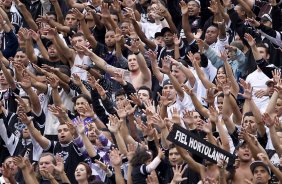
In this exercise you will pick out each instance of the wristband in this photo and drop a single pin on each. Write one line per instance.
(136, 53)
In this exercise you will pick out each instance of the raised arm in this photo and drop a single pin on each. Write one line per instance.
(146, 74)
(26, 14)
(81, 17)
(185, 22)
(270, 122)
(42, 141)
(33, 97)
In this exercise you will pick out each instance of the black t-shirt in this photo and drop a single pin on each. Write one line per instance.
(41, 61)
(71, 155)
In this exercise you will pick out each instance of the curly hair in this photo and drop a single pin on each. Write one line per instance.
(140, 157)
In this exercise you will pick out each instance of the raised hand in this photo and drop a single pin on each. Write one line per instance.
(253, 22)
(210, 96)
(135, 99)
(26, 81)
(247, 89)
(276, 75)
(184, 7)
(57, 111)
(165, 65)
(175, 117)
(263, 157)
(34, 35)
(118, 36)
(116, 6)
(53, 81)
(223, 56)
(79, 16)
(118, 76)
(188, 117)
(158, 121)
(134, 47)
(251, 41)
(178, 171)
(268, 121)
(202, 45)
(114, 124)
(76, 80)
(176, 40)
(164, 99)
(213, 114)
(25, 119)
(59, 167)
(79, 125)
(152, 56)
(131, 151)
(115, 158)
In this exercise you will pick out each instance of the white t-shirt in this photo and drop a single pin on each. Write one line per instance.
(257, 79)
(85, 60)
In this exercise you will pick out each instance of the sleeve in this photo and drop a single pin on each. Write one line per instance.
(12, 141)
(220, 44)
(12, 44)
(210, 71)
(104, 141)
(241, 59)
(109, 105)
(153, 165)
(37, 150)
(122, 62)
(97, 107)
(271, 34)
(212, 56)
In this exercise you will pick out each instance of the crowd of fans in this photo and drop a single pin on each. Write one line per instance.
(90, 90)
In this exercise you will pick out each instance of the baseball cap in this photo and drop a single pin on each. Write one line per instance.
(164, 30)
(197, 1)
(157, 34)
(255, 164)
(166, 82)
(265, 18)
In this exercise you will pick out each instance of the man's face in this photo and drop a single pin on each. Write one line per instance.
(21, 58)
(174, 157)
(168, 38)
(169, 89)
(261, 176)
(110, 39)
(125, 28)
(80, 105)
(249, 122)
(52, 51)
(244, 153)
(211, 35)
(262, 51)
(132, 63)
(70, 20)
(46, 163)
(159, 41)
(143, 95)
(78, 41)
(120, 100)
(11, 165)
(193, 8)
(178, 74)
(64, 134)
(3, 80)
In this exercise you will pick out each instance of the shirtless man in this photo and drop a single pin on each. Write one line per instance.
(245, 159)
(138, 74)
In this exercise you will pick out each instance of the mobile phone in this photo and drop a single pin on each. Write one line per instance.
(108, 1)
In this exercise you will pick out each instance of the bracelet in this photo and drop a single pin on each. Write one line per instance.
(136, 53)
(162, 19)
